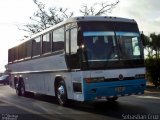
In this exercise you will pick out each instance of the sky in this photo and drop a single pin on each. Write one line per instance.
(16, 13)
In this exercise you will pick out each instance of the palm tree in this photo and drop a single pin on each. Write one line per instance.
(155, 63)
(155, 44)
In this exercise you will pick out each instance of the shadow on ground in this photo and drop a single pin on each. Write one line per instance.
(101, 107)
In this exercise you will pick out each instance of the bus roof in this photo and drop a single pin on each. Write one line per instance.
(78, 19)
(99, 18)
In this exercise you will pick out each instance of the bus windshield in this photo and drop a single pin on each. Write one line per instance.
(100, 46)
(129, 45)
(105, 46)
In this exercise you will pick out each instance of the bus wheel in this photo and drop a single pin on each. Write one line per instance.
(20, 89)
(61, 93)
(112, 99)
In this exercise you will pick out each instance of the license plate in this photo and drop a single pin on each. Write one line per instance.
(120, 89)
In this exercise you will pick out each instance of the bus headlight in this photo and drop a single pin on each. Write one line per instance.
(94, 80)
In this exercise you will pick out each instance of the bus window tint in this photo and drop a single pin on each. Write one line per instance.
(100, 46)
(136, 47)
(28, 49)
(74, 56)
(46, 43)
(11, 57)
(36, 46)
(16, 53)
(129, 45)
(21, 51)
(74, 41)
(67, 42)
(58, 39)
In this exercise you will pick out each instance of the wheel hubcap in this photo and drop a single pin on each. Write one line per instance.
(61, 93)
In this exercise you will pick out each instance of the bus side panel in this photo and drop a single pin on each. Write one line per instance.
(44, 82)
(39, 73)
(39, 83)
(50, 63)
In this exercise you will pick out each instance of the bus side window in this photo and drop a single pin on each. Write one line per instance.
(74, 47)
(28, 49)
(58, 39)
(36, 46)
(67, 48)
(46, 44)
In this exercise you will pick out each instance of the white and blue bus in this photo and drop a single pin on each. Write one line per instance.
(81, 59)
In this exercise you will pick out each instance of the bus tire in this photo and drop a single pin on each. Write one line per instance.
(112, 99)
(20, 89)
(61, 93)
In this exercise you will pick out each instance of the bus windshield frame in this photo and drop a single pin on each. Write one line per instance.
(117, 48)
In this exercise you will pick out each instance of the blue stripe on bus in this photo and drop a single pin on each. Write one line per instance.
(108, 33)
(127, 33)
(107, 89)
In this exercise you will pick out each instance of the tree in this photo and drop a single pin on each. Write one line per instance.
(155, 44)
(43, 19)
(147, 45)
(98, 9)
(152, 45)
(153, 61)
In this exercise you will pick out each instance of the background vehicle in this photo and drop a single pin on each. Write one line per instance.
(4, 79)
(82, 59)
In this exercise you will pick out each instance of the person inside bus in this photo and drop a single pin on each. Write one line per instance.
(99, 48)
(104, 48)
(111, 51)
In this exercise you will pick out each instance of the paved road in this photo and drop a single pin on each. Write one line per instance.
(42, 107)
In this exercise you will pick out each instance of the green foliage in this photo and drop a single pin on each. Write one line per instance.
(152, 45)
(155, 44)
(153, 58)
(153, 70)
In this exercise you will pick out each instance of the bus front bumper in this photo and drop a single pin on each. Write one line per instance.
(94, 91)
